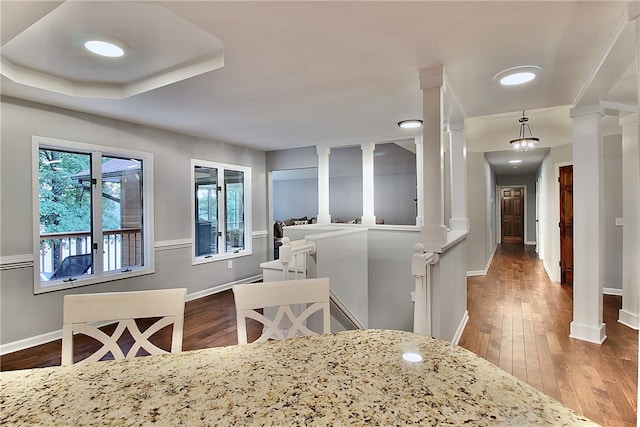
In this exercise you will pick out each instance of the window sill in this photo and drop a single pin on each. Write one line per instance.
(220, 257)
(59, 285)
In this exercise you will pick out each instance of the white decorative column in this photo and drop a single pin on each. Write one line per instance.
(433, 232)
(458, 168)
(419, 181)
(588, 225)
(323, 185)
(629, 314)
(368, 201)
(633, 13)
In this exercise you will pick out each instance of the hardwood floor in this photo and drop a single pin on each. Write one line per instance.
(518, 320)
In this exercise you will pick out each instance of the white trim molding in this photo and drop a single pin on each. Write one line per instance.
(168, 245)
(26, 260)
(629, 319)
(456, 338)
(486, 268)
(16, 261)
(612, 291)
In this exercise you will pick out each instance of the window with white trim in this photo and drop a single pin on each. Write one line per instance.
(94, 214)
(221, 210)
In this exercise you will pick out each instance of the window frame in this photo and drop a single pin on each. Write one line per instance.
(221, 202)
(96, 152)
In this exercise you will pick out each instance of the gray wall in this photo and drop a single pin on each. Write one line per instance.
(480, 195)
(395, 185)
(296, 158)
(449, 293)
(490, 211)
(390, 279)
(25, 315)
(389, 271)
(612, 169)
(295, 198)
(345, 184)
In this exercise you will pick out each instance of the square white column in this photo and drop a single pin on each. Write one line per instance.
(629, 313)
(368, 177)
(458, 169)
(433, 232)
(588, 225)
(323, 185)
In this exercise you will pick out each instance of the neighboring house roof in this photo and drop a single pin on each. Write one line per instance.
(110, 169)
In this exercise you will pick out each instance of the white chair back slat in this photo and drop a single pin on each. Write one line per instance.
(81, 312)
(283, 294)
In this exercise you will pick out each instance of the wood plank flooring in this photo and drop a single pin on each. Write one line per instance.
(518, 320)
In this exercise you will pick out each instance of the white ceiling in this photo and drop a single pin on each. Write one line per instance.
(337, 73)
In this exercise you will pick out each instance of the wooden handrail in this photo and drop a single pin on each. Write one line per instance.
(66, 235)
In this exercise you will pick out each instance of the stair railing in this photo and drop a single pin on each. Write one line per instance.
(421, 263)
(297, 252)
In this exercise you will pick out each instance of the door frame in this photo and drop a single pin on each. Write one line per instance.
(499, 212)
(538, 219)
(556, 220)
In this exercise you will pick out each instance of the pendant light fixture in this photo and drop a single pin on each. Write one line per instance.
(523, 142)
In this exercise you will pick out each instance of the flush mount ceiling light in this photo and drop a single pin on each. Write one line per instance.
(103, 48)
(515, 161)
(410, 124)
(517, 75)
(523, 142)
(50, 54)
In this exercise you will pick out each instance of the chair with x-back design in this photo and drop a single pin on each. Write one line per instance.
(284, 295)
(84, 313)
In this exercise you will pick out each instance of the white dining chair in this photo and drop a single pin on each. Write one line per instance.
(251, 297)
(84, 313)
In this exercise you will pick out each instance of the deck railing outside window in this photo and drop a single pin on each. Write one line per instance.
(121, 248)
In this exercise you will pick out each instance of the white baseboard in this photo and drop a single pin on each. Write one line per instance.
(612, 291)
(10, 347)
(486, 267)
(476, 273)
(631, 320)
(14, 346)
(531, 243)
(549, 274)
(588, 333)
(220, 288)
(456, 338)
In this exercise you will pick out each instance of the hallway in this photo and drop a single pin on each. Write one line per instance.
(519, 320)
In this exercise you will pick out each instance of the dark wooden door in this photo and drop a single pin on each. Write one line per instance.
(512, 215)
(566, 225)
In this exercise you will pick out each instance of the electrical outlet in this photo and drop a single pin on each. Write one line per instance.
(229, 264)
(619, 221)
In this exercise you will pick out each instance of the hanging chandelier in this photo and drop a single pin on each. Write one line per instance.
(523, 142)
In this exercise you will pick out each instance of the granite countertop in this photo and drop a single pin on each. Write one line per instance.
(346, 378)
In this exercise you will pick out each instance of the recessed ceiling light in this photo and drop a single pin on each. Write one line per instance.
(515, 161)
(517, 75)
(103, 48)
(410, 124)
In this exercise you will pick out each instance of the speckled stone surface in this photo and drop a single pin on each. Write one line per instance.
(348, 378)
